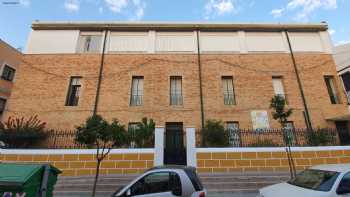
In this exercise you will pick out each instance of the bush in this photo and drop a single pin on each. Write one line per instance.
(214, 134)
(264, 143)
(321, 137)
(143, 135)
(22, 133)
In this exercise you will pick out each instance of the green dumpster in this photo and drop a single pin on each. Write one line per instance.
(27, 180)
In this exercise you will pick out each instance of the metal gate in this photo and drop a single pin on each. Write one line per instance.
(174, 152)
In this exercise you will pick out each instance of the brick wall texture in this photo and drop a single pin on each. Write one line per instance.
(213, 162)
(85, 164)
(42, 84)
(207, 162)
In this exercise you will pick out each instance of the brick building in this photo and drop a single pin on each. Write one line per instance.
(179, 74)
(10, 59)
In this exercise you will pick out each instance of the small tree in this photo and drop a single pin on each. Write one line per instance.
(21, 132)
(281, 114)
(214, 134)
(97, 132)
(144, 134)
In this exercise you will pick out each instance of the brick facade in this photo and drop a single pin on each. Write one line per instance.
(260, 161)
(42, 84)
(74, 163)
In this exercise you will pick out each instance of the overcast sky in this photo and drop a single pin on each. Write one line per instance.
(16, 16)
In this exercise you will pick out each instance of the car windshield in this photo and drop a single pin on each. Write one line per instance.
(319, 180)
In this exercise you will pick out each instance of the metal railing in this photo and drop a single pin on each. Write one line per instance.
(136, 100)
(237, 138)
(175, 99)
(229, 99)
(277, 137)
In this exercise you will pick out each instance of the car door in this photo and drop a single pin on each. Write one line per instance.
(157, 184)
(343, 188)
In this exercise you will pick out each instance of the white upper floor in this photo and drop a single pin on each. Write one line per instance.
(68, 38)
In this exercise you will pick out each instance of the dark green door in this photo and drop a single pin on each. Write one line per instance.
(175, 152)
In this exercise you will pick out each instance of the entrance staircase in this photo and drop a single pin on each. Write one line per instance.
(216, 184)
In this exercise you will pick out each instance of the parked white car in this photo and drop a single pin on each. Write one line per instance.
(319, 181)
(164, 181)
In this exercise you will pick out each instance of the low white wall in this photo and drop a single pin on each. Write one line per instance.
(70, 151)
(271, 149)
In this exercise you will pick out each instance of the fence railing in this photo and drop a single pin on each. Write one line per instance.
(279, 137)
(237, 138)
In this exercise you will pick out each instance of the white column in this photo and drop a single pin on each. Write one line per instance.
(159, 146)
(191, 147)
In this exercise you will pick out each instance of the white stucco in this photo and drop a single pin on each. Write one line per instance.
(159, 146)
(265, 42)
(175, 42)
(306, 42)
(342, 57)
(52, 41)
(66, 41)
(221, 41)
(191, 147)
(129, 42)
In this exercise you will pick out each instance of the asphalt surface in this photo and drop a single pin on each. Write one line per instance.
(235, 194)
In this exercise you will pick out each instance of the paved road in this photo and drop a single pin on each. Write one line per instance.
(236, 194)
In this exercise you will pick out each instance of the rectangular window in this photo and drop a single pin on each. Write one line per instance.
(136, 91)
(2, 105)
(90, 43)
(277, 83)
(233, 131)
(228, 90)
(331, 89)
(8, 73)
(175, 90)
(73, 91)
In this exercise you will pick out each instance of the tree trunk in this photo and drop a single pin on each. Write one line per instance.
(96, 177)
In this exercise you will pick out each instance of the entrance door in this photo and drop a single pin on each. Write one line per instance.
(343, 132)
(175, 152)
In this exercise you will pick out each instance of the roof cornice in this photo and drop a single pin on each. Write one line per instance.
(67, 25)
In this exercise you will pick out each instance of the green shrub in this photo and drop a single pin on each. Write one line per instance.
(214, 134)
(22, 133)
(264, 143)
(321, 137)
(143, 135)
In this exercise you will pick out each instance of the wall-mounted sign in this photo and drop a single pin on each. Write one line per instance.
(260, 119)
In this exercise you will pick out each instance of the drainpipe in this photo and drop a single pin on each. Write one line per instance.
(200, 85)
(306, 112)
(100, 73)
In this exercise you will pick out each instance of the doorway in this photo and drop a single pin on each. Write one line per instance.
(175, 151)
(343, 132)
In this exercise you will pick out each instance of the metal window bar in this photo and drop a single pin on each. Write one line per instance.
(136, 98)
(176, 90)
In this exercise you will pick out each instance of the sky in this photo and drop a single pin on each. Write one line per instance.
(16, 16)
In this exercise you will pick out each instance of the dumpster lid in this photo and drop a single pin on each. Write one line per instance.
(18, 174)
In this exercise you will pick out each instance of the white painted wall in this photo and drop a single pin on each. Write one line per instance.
(265, 42)
(191, 154)
(216, 42)
(342, 57)
(159, 146)
(129, 42)
(65, 41)
(175, 42)
(52, 41)
(306, 42)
